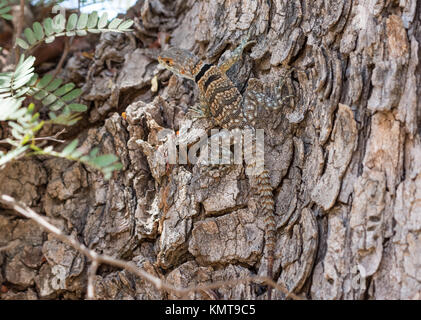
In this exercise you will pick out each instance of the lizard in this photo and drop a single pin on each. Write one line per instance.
(221, 101)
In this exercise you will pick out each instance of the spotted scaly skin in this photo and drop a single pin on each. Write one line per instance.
(222, 101)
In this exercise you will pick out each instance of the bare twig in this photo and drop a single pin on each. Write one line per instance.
(91, 279)
(98, 259)
(9, 246)
(63, 57)
(54, 137)
(49, 138)
(19, 29)
(67, 44)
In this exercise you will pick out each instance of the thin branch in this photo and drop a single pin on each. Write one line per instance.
(19, 28)
(91, 279)
(9, 246)
(53, 138)
(49, 138)
(98, 259)
(67, 45)
(63, 56)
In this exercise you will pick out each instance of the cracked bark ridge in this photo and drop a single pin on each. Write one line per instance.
(231, 238)
(190, 273)
(340, 150)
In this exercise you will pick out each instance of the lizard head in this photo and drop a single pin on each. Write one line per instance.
(179, 61)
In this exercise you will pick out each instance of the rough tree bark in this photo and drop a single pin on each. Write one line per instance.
(345, 159)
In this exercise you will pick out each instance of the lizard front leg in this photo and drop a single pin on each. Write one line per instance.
(235, 56)
(200, 110)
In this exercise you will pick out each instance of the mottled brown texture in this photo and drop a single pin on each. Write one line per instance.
(344, 159)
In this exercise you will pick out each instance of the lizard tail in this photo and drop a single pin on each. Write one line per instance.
(255, 168)
(266, 197)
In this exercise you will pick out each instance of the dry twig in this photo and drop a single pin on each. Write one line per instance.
(98, 259)
(49, 138)
(63, 56)
(9, 246)
(19, 28)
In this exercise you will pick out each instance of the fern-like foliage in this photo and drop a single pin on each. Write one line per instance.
(75, 25)
(4, 10)
(55, 96)
(24, 124)
(13, 83)
(59, 98)
(51, 92)
(106, 163)
(9, 109)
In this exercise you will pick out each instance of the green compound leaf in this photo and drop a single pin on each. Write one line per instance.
(69, 148)
(59, 26)
(92, 20)
(103, 21)
(77, 107)
(59, 22)
(83, 21)
(104, 160)
(30, 36)
(48, 26)
(71, 22)
(114, 24)
(38, 31)
(124, 26)
(22, 43)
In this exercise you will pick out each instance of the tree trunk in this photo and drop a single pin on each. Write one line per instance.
(344, 156)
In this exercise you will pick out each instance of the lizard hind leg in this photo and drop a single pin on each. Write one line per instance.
(253, 100)
(278, 90)
(201, 109)
(259, 95)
